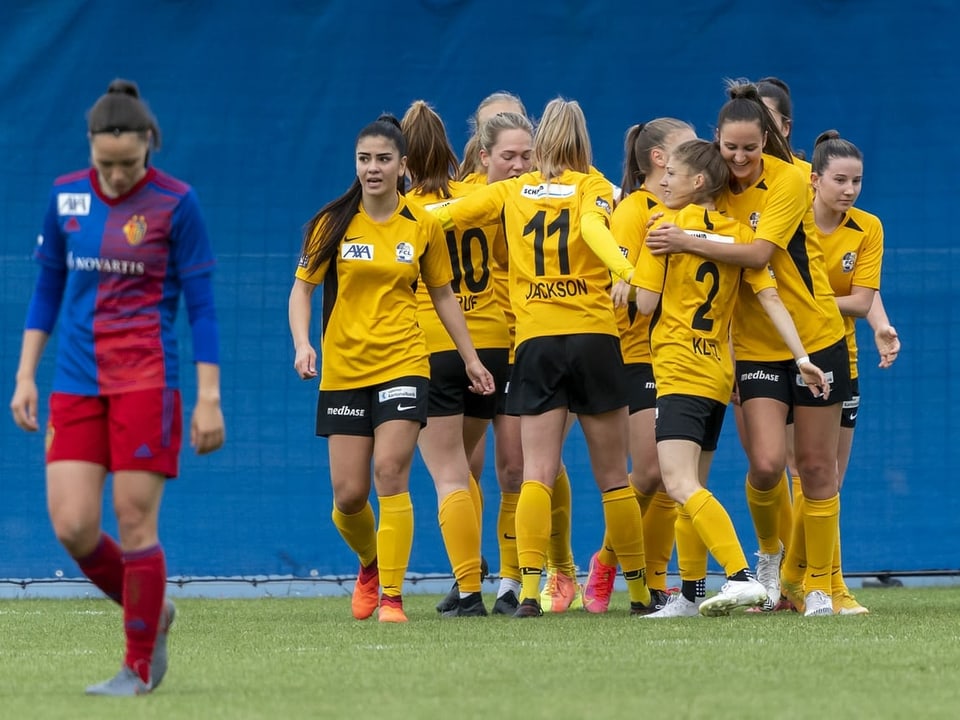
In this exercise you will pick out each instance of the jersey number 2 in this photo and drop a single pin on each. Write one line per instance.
(700, 319)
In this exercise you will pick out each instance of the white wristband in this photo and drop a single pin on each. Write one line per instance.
(802, 360)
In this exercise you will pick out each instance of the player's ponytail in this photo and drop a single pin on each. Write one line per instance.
(120, 110)
(745, 105)
(830, 145)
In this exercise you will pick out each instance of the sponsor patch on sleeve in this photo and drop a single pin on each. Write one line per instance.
(601, 203)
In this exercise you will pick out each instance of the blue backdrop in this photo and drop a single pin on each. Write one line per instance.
(259, 108)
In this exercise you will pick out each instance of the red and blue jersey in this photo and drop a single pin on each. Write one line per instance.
(125, 260)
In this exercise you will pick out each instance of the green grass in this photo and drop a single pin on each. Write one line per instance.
(306, 658)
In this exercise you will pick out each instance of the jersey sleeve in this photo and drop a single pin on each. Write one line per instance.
(192, 252)
(629, 229)
(435, 267)
(650, 271)
(866, 272)
(51, 250)
(784, 209)
(478, 209)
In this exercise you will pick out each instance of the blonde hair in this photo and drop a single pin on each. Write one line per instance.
(471, 151)
(562, 142)
(489, 132)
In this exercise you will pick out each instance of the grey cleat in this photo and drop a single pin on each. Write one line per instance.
(158, 663)
(125, 683)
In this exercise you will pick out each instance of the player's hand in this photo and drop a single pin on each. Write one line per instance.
(888, 345)
(814, 379)
(23, 405)
(735, 394)
(481, 381)
(305, 362)
(667, 238)
(651, 221)
(207, 429)
(620, 293)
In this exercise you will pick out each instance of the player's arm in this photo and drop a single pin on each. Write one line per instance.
(812, 375)
(299, 307)
(668, 238)
(857, 303)
(207, 428)
(477, 209)
(884, 334)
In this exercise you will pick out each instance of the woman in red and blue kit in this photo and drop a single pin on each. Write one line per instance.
(121, 241)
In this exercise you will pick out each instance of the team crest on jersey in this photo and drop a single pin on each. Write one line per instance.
(404, 253)
(73, 203)
(754, 220)
(545, 190)
(849, 260)
(135, 229)
(356, 251)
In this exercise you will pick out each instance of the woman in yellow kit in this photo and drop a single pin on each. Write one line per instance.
(852, 242)
(568, 358)
(457, 420)
(561, 591)
(368, 248)
(648, 145)
(770, 193)
(694, 299)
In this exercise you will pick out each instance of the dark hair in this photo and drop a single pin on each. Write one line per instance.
(121, 110)
(830, 145)
(640, 141)
(703, 156)
(431, 161)
(324, 231)
(778, 91)
(745, 105)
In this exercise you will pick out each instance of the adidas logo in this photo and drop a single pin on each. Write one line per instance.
(143, 452)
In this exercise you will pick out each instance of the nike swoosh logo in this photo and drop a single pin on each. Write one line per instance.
(351, 239)
(659, 572)
(509, 537)
(854, 416)
(401, 407)
(816, 575)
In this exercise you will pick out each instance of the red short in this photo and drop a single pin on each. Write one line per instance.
(132, 431)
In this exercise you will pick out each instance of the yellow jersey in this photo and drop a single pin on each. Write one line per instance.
(370, 333)
(778, 208)
(473, 283)
(690, 329)
(854, 255)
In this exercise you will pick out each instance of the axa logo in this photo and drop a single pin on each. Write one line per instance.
(356, 251)
(73, 203)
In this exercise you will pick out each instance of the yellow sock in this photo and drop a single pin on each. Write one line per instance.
(606, 553)
(622, 517)
(533, 535)
(461, 536)
(795, 561)
(765, 510)
(838, 585)
(394, 541)
(644, 500)
(716, 530)
(659, 519)
(796, 489)
(359, 531)
(559, 553)
(691, 551)
(785, 504)
(476, 497)
(507, 536)
(822, 521)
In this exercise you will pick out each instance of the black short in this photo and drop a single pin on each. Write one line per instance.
(689, 417)
(449, 384)
(361, 410)
(765, 380)
(641, 387)
(582, 372)
(504, 393)
(851, 406)
(835, 363)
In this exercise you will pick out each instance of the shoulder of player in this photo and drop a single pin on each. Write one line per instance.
(77, 176)
(858, 219)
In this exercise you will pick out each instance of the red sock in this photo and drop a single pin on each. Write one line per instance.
(104, 567)
(144, 582)
(392, 600)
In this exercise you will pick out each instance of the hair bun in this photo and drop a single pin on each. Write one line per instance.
(826, 135)
(124, 87)
(389, 118)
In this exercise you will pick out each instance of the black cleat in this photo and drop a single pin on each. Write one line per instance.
(469, 606)
(529, 608)
(658, 598)
(506, 604)
(451, 601)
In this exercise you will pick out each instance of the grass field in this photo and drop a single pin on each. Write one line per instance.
(278, 659)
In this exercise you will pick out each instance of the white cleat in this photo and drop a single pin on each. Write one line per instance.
(734, 594)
